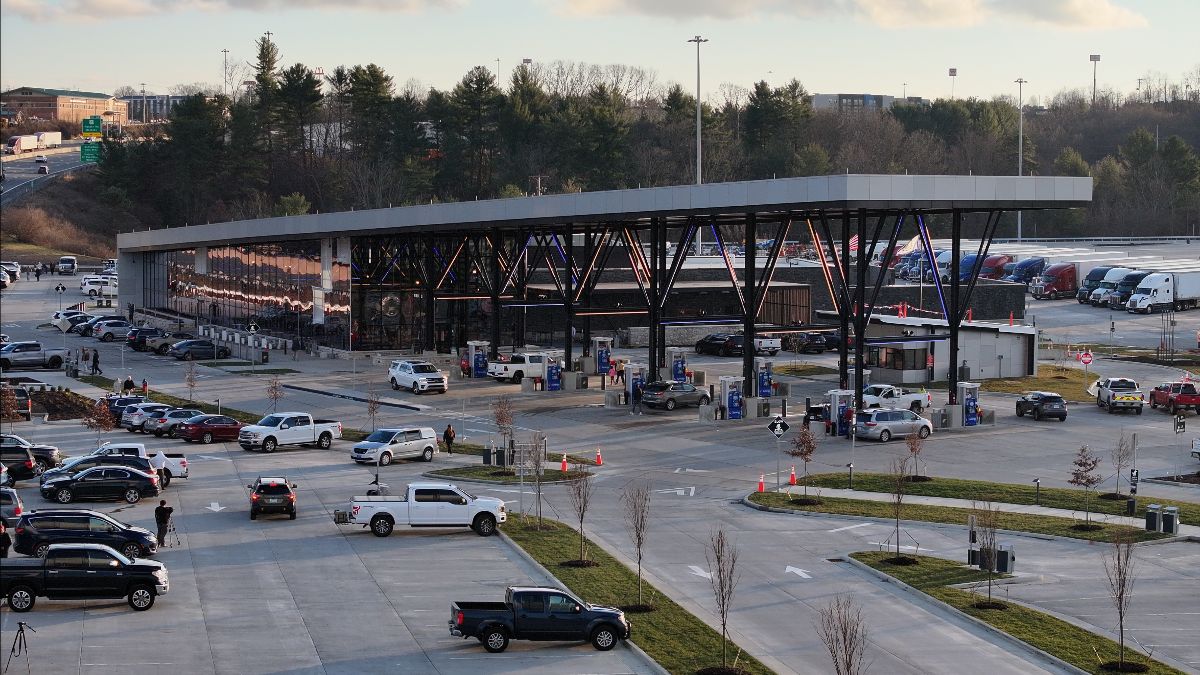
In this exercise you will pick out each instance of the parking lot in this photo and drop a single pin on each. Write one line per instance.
(308, 595)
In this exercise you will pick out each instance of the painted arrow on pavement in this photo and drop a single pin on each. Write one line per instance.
(682, 470)
(210, 457)
(215, 507)
(689, 491)
(699, 572)
(803, 574)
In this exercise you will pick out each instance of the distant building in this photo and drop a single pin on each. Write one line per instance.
(157, 107)
(63, 104)
(855, 102)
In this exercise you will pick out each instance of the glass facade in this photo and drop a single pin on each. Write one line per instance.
(292, 290)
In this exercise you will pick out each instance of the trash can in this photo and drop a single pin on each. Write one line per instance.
(264, 356)
(1153, 520)
(1170, 520)
(501, 458)
(487, 455)
(1131, 506)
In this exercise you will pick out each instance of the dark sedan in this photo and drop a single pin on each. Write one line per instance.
(44, 456)
(724, 344)
(671, 395)
(187, 350)
(208, 428)
(1041, 404)
(75, 465)
(102, 482)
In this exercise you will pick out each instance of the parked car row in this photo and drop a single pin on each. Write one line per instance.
(111, 327)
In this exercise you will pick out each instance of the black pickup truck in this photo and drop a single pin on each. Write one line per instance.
(533, 613)
(81, 572)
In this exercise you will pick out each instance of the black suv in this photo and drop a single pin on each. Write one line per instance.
(19, 460)
(45, 457)
(116, 404)
(1042, 404)
(136, 337)
(36, 530)
(74, 465)
(272, 495)
(724, 344)
(807, 343)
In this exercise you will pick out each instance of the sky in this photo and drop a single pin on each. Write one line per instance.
(831, 46)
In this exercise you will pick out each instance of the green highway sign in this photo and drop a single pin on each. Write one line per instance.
(89, 152)
(92, 127)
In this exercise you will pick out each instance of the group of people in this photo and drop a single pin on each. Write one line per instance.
(616, 371)
(127, 387)
(91, 356)
(38, 270)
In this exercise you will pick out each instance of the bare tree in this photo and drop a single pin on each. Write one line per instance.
(899, 482)
(537, 466)
(190, 380)
(100, 419)
(9, 409)
(636, 500)
(372, 407)
(722, 557)
(274, 393)
(915, 445)
(1120, 566)
(841, 627)
(1084, 475)
(804, 444)
(502, 415)
(986, 520)
(1122, 456)
(580, 491)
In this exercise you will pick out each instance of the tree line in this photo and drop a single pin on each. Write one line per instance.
(293, 142)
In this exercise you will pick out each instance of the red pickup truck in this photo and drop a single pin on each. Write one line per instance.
(1175, 396)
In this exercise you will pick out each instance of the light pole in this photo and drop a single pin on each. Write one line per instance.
(1020, 138)
(60, 289)
(1094, 58)
(699, 176)
(953, 74)
(225, 74)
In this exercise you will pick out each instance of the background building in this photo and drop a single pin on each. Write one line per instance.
(151, 106)
(64, 104)
(852, 102)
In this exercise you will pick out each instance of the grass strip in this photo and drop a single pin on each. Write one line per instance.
(1072, 383)
(1007, 493)
(505, 475)
(802, 369)
(674, 637)
(1053, 636)
(1019, 522)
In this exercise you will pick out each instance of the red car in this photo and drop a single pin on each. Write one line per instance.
(208, 428)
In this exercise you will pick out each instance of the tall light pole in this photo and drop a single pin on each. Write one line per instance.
(699, 176)
(953, 74)
(1094, 58)
(1020, 138)
(225, 74)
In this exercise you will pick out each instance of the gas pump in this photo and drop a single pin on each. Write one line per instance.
(678, 358)
(731, 396)
(762, 371)
(968, 397)
(635, 373)
(840, 401)
(602, 348)
(553, 374)
(477, 351)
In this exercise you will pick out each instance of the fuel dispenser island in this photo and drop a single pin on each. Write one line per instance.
(477, 351)
(678, 359)
(763, 374)
(731, 396)
(602, 351)
(841, 402)
(553, 373)
(968, 398)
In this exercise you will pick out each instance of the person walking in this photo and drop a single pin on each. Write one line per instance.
(158, 462)
(37, 273)
(128, 385)
(621, 371)
(612, 374)
(448, 438)
(637, 399)
(162, 518)
(5, 540)
(96, 362)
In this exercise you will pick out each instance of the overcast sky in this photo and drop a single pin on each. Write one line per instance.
(831, 46)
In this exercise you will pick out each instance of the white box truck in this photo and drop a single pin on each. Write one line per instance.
(49, 139)
(21, 144)
(1177, 290)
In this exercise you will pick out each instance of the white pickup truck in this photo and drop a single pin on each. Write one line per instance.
(289, 428)
(887, 396)
(176, 463)
(425, 505)
(1119, 393)
(518, 366)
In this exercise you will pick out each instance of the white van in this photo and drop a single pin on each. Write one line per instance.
(384, 445)
(99, 287)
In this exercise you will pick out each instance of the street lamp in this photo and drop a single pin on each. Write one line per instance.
(1094, 58)
(953, 74)
(1020, 138)
(699, 176)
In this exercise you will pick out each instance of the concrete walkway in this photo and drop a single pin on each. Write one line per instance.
(1190, 530)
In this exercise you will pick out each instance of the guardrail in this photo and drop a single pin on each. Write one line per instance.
(27, 188)
(63, 149)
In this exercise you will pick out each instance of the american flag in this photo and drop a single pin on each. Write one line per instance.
(854, 243)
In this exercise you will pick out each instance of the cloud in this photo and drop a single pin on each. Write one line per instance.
(1077, 14)
(59, 10)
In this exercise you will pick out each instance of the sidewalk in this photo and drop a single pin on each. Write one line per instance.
(1184, 530)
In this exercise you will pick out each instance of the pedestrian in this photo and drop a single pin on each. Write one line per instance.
(612, 374)
(162, 518)
(158, 462)
(5, 540)
(96, 362)
(448, 438)
(145, 387)
(637, 399)
(621, 371)
(37, 273)
(128, 385)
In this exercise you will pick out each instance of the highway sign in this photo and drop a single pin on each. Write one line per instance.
(1085, 358)
(778, 427)
(93, 127)
(89, 152)
(1180, 424)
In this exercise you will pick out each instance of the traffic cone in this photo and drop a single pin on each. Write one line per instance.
(792, 478)
(564, 463)
(599, 459)
(762, 482)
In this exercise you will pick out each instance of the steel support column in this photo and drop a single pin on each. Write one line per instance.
(569, 300)
(497, 244)
(664, 289)
(861, 311)
(748, 314)
(430, 305)
(844, 318)
(655, 306)
(589, 252)
(955, 318)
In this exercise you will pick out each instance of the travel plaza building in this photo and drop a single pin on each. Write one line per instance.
(436, 276)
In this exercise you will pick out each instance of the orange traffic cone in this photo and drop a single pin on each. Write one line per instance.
(599, 459)
(792, 478)
(564, 463)
(762, 485)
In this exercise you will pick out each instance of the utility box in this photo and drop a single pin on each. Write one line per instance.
(601, 351)
(1170, 520)
(1006, 559)
(1153, 517)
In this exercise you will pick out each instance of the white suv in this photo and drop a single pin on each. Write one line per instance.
(417, 377)
(99, 287)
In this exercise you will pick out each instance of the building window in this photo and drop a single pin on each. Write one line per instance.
(894, 358)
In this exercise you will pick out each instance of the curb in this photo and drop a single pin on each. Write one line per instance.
(933, 603)
(524, 555)
(1157, 481)
(438, 476)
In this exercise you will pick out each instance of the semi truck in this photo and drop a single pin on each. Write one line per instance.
(21, 144)
(49, 139)
(1125, 288)
(1108, 284)
(1161, 291)
(1064, 279)
(993, 266)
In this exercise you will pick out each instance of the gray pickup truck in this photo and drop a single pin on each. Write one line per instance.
(31, 354)
(534, 613)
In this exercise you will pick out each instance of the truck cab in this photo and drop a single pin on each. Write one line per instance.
(993, 266)
(67, 264)
(1107, 285)
(1059, 280)
(1027, 270)
(1090, 282)
(1126, 288)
